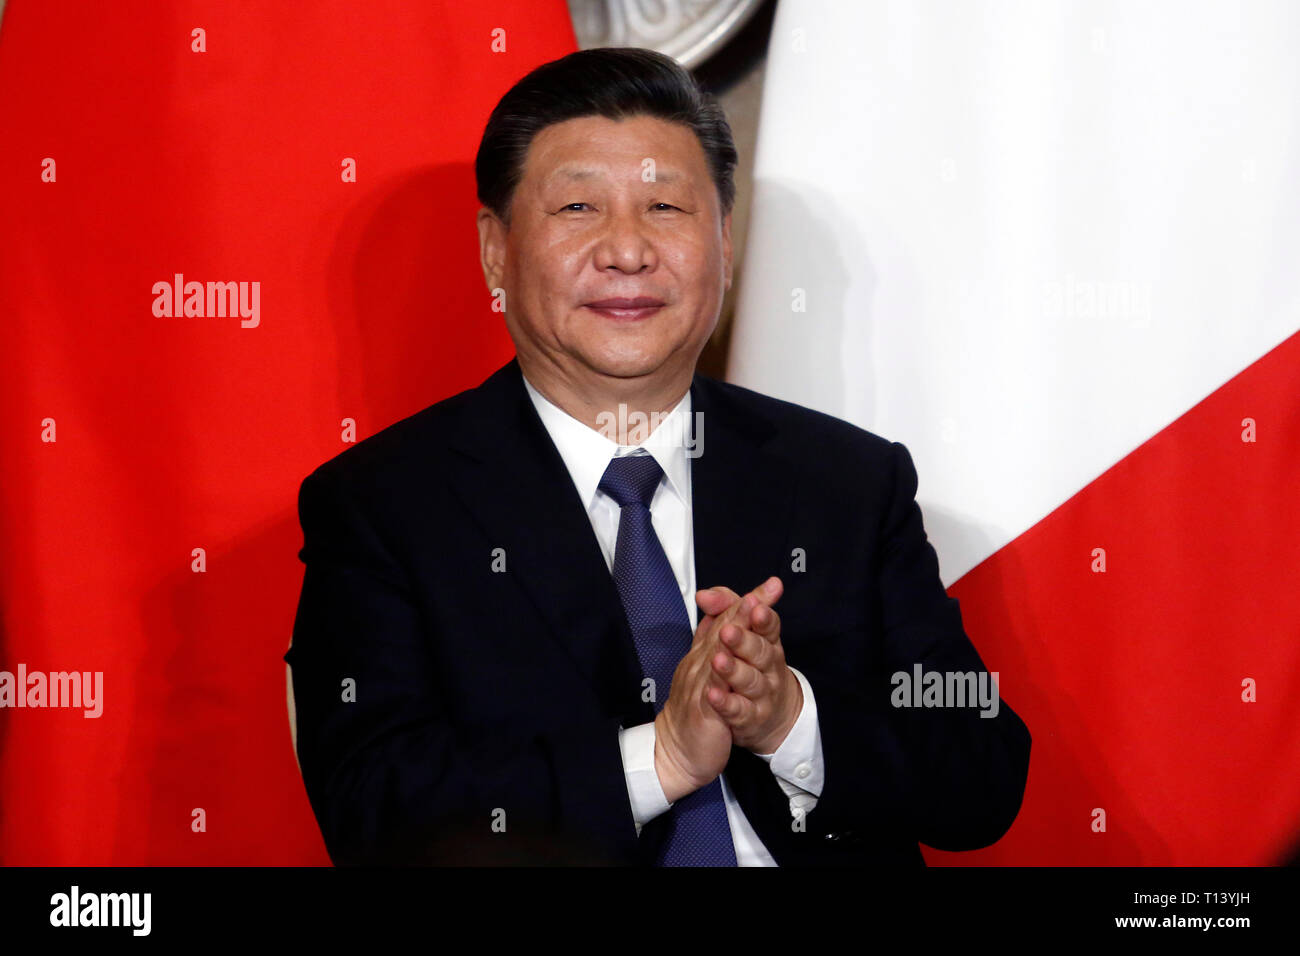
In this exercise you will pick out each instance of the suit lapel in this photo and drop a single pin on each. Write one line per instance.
(741, 494)
(508, 473)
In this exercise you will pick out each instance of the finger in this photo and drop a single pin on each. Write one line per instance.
(733, 708)
(747, 646)
(708, 627)
(728, 613)
(742, 677)
(766, 623)
(715, 690)
(765, 595)
(770, 591)
(704, 628)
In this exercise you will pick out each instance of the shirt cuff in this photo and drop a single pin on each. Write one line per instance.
(798, 761)
(644, 792)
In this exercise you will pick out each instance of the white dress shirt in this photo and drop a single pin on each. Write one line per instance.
(797, 764)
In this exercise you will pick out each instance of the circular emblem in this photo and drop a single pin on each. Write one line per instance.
(690, 31)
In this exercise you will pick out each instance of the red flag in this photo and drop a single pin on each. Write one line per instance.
(235, 237)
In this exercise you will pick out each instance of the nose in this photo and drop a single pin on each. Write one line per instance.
(625, 244)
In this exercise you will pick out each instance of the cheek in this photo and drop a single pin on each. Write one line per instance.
(699, 269)
(550, 266)
(538, 274)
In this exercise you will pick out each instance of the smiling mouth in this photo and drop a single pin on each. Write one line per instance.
(626, 310)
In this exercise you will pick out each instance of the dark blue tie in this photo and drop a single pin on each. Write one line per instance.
(698, 831)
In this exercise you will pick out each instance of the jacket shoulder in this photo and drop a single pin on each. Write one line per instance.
(412, 443)
(798, 428)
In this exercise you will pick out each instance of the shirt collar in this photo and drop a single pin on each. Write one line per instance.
(587, 453)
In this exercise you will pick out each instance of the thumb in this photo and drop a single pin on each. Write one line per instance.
(714, 601)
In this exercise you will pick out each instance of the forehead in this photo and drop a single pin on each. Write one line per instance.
(594, 147)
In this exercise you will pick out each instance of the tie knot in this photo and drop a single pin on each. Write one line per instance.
(631, 479)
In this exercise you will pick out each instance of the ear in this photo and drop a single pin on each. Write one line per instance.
(726, 249)
(491, 247)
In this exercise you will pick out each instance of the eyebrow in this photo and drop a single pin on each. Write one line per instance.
(580, 173)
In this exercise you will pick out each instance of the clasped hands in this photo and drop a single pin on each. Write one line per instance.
(732, 686)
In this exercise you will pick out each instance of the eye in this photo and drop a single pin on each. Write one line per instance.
(574, 207)
(665, 206)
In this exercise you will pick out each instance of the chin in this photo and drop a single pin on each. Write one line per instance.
(628, 365)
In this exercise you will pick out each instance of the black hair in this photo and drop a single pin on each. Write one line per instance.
(614, 82)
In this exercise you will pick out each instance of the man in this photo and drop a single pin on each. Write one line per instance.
(498, 655)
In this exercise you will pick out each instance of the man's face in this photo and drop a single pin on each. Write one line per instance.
(611, 210)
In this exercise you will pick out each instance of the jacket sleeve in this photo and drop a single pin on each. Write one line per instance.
(953, 778)
(390, 777)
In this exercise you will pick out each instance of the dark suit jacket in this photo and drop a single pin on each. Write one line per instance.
(484, 695)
